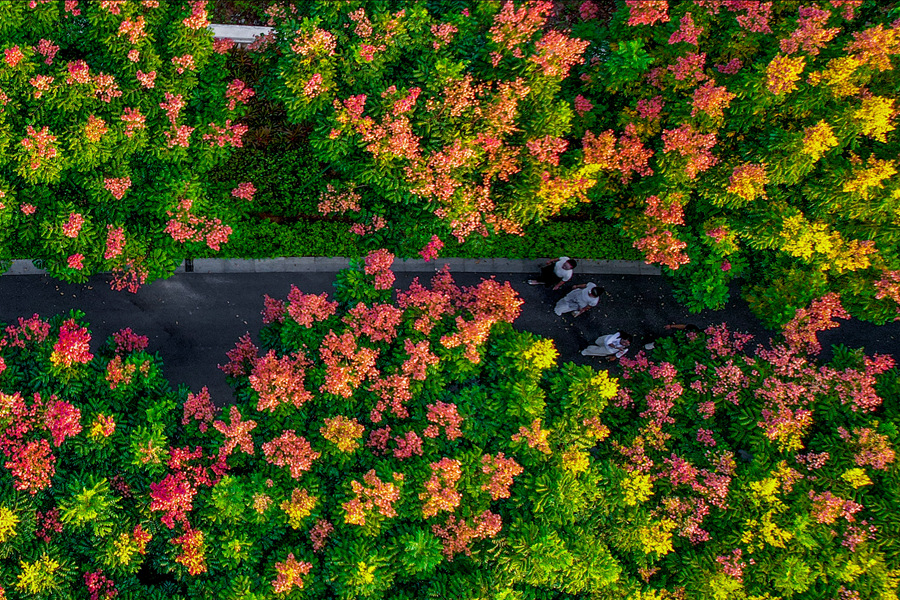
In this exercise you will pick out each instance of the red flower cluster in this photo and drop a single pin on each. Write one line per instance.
(347, 364)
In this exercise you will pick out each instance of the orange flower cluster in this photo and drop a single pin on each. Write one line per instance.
(193, 551)
(440, 490)
(444, 415)
(458, 536)
(343, 432)
(292, 451)
(378, 496)
(501, 470)
(298, 507)
(290, 574)
(536, 437)
(308, 309)
(347, 364)
(280, 380)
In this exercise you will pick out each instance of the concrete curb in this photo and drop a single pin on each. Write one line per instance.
(316, 264)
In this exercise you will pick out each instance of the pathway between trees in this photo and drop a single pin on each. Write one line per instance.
(193, 319)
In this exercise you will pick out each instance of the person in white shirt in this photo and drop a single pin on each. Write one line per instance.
(614, 345)
(581, 299)
(554, 273)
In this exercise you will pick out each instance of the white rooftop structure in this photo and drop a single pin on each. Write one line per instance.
(240, 34)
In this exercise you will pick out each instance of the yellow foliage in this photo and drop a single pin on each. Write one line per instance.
(870, 178)
(839, 76)
(575, 461)
(657, 537)
(8, 522)
(856, 477)
(299, 507)
(818, 140)
(125, 548)
(764, 532)
(39, 576)
(638, 487)
(875, 115)
(802, 239)
(542, 354)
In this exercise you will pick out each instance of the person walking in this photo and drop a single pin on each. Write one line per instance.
(614, 345)
(581, 299)
(554, 273)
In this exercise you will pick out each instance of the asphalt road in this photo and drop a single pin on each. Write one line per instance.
(193, 319)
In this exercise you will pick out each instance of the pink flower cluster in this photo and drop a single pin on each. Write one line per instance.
(280, 380)
(40, 146)
(431, 249)
(811, 34)
(661, 246)
(115, 242)
(441, 414)
(133, 120)
(669, 213)
(147, 80)
(347, 364)
(227, 135)
(72, 227)
(198, 18)
(556, 53)
(547, 149)
(711, 99)
(133, 29)
(100, 587)
(800, 332)
(13, 56)
(244, 191)
(199, 407)
(238, 91)
(237, 434)
(378, 496)
(501, 471)
(47, 49)
(582, 105)
(185, 226)
(335, 201)
(626, 155)
(688, 32)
